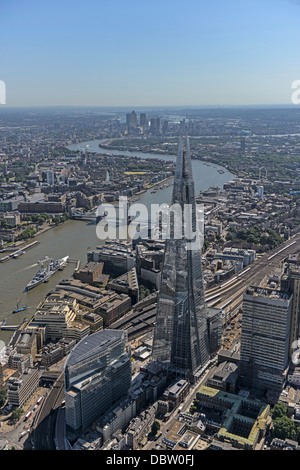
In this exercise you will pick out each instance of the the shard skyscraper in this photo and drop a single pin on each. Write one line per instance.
(181, 335)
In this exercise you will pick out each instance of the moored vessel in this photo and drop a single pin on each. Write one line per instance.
(44, 274)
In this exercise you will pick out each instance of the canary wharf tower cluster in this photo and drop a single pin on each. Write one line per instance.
(187, 333)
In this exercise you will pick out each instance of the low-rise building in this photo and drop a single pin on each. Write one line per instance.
(284, 444)
(118, 257)
(51, 354)
(26, 342)
(176, 393)
(225, 377)
(12, 218)
(20, 388)
(117, 420)
(92, 273)
(127, 284)
(244, 421)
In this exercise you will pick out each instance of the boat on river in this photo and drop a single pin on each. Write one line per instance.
(17, 310)
(44, 274)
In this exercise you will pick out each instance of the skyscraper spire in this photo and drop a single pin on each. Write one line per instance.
(181, 338)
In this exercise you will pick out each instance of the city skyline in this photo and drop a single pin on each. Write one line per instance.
(149, 227)
(103, 54)
(217, 310)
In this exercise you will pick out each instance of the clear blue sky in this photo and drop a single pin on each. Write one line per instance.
(149, 53)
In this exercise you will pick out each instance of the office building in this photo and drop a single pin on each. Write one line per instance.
(155, 125)
(126, 284)
(19, 361)
(20, 388)
(131, 120)
(293, 286)
(91, 273)
(243, 422)
(50, 177)
(165, 127)
(181, 335)
(97, 377)
(143, 120)
(26, 342)
(265, 338)
(10, 205)
(118, 257)
(56, 316)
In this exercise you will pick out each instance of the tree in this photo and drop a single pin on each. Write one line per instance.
(279, 410)
(155, 427)
(16, 414)
(144, 292)
(284, 428)
(193, 409)
(298, 435)
(29, 232)
(3, 397)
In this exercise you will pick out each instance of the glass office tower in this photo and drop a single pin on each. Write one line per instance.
(97, 376)
(181, 336)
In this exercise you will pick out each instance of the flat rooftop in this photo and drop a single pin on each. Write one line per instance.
(270, 293)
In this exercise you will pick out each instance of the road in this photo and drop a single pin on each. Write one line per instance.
(231, 292)
(185, 407)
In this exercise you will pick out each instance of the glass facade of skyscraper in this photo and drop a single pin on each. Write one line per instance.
(97, 376)
(181, 336)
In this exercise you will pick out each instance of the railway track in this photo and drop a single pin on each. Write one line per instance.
(229, 295)
(43, 427)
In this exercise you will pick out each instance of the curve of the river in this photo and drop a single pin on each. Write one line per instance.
(74, 238)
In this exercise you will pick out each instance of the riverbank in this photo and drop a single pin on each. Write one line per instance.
(161, 153)
(24, 244)
(135, 149)
(75, 238)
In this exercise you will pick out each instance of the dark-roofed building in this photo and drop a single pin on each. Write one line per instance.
(127, 284)
(225, 377)
(92, 273)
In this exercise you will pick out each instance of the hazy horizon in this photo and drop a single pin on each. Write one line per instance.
(159, 54)
(145, 107)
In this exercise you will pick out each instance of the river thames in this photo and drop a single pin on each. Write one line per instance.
(75, 238)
